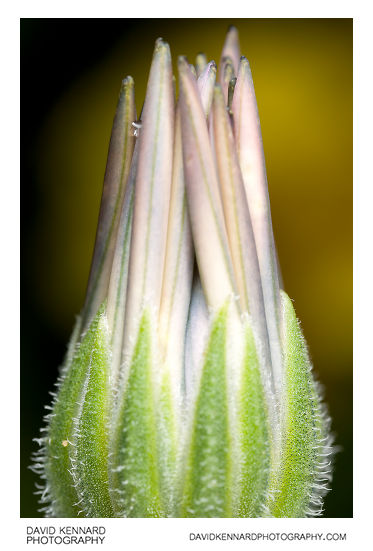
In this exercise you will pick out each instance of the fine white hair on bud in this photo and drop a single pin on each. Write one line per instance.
(187, 388)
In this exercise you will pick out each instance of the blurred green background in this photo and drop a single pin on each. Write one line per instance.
(70, 77)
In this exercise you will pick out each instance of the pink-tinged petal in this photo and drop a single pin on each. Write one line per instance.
(231, 49)
(205, 209)
(251, 157)
(238, 222)
(193, 69)
(152, 193)
(122, 142)
(178, 271)
(206, 83)
(117, 292)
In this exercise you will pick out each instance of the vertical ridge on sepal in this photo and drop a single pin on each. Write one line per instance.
(90, 452)
(134, 476)
(254, 433)
(168, 443)
(207, 490)
(296, 489)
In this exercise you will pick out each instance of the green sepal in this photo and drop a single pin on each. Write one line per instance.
(90, 454)
(303, 426)
(253, 430)
(60, 437)
(134, 470)
(167, 445)
(208, 473)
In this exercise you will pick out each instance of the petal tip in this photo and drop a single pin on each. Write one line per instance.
(127, 82)
(162, 47)
(232, 29)
(183, 64)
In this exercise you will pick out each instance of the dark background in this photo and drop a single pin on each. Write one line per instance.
(70, 77)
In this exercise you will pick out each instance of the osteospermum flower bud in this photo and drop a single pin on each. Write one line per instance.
(187, 390)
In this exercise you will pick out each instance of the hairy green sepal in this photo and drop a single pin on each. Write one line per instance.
(61, 435)
(207, 490)
(292, 485)
(253, 433)
(135, 477)
(91, 430)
